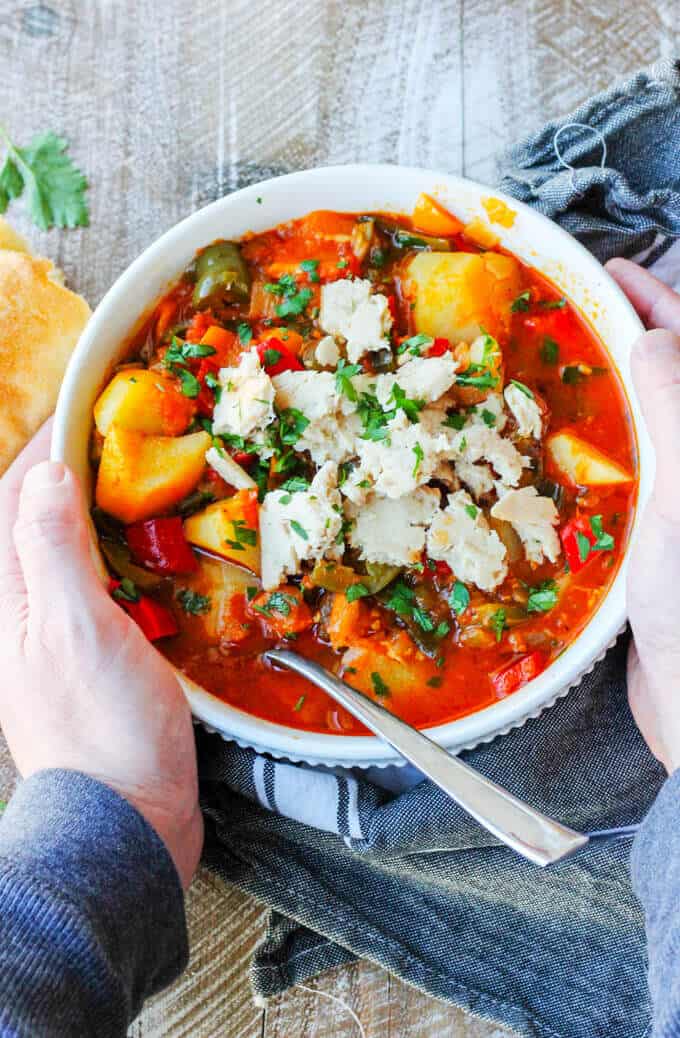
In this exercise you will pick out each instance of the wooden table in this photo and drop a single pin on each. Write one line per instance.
(170, 104)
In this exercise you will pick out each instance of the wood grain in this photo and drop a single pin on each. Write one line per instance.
(169, 105)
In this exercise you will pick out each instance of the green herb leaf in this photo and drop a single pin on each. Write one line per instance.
(279, 603)
(471, 511)
(435, 682)
(572, 374)
(489, 418)
(455, 421)
(497, 623)
(344, 374)
(459, 599)
(299, 529)
(543, 597)
(583, 545)
(126, 591)
(415, 344)
(192, 602)
(603, 541)
(292, 425)
(341, 264)
(521, 304)
(479, 376)
(379, 686)
(55, 188)
(411, 408)
(191, 387)
(355, 591)
(554, 304)
(271, 357)
(311, 269)
(295, 484)
(244, 332)
(550, 351)
(420, 454)
(244, 534)
(298, 706)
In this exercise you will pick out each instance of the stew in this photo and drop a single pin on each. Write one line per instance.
(380, 439)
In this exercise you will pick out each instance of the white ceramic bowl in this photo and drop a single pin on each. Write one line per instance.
(355, 188)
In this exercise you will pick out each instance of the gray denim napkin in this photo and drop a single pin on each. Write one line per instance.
(409, 881)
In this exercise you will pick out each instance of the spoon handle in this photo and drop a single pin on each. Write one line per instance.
(532, 834)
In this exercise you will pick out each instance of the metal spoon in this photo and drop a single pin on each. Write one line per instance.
(532, 834)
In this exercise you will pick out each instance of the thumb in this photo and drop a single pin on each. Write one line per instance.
(656, 373)
(52, 544)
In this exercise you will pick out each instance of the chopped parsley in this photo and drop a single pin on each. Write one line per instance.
(373, 418)
(379, 686)
(292, 425)
(402, 600)
(271, 357)
(311, 269)
(179, 352)
(478, 376)
(295, 484)
(244, 332)
(471, 511)
(543, 597)
(411, 408)
(293, 300)
(583, 545)
(603, 541)
(459, 599)
(572, 374)
(521, 303)
(279, 603)
(126, 591)
(299, 529)
(489, 418)
(455, 421)
(343, 378)
(377, 258)
(341, 264)
(550, 351)
(419, 453)
(497, 622)
(522, 388)
(244, 533)
(192, 602)
(554, 304)
(355, 591)
(435, 682)
(298, 706)
(415, 343)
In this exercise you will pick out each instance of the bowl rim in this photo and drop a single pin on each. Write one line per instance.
(564, 673)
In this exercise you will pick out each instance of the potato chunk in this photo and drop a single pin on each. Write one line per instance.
(144, 476)
(229, 528)
(583, 464)
(459, 294)
(143, 400)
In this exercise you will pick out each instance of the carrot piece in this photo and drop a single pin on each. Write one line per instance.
(165, 311)
(347, 621)
(282, 612)
(224, 342)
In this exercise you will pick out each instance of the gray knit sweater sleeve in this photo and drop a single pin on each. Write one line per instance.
(656, 879)
(91, 910)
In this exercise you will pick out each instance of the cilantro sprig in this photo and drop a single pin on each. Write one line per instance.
(54, 187)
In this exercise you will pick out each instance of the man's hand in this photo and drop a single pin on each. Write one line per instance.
(81, 687)
(654, 575)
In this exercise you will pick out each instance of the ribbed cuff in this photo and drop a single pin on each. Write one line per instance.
(91, 908)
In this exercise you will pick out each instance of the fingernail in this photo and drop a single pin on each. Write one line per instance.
(45, 476)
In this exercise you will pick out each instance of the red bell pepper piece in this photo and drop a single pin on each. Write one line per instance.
(205, 401)
(392, 307)
(439, 347)
(154, 620)
(577, 540)
(160, 545)
(517, 674)
(286, 361)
